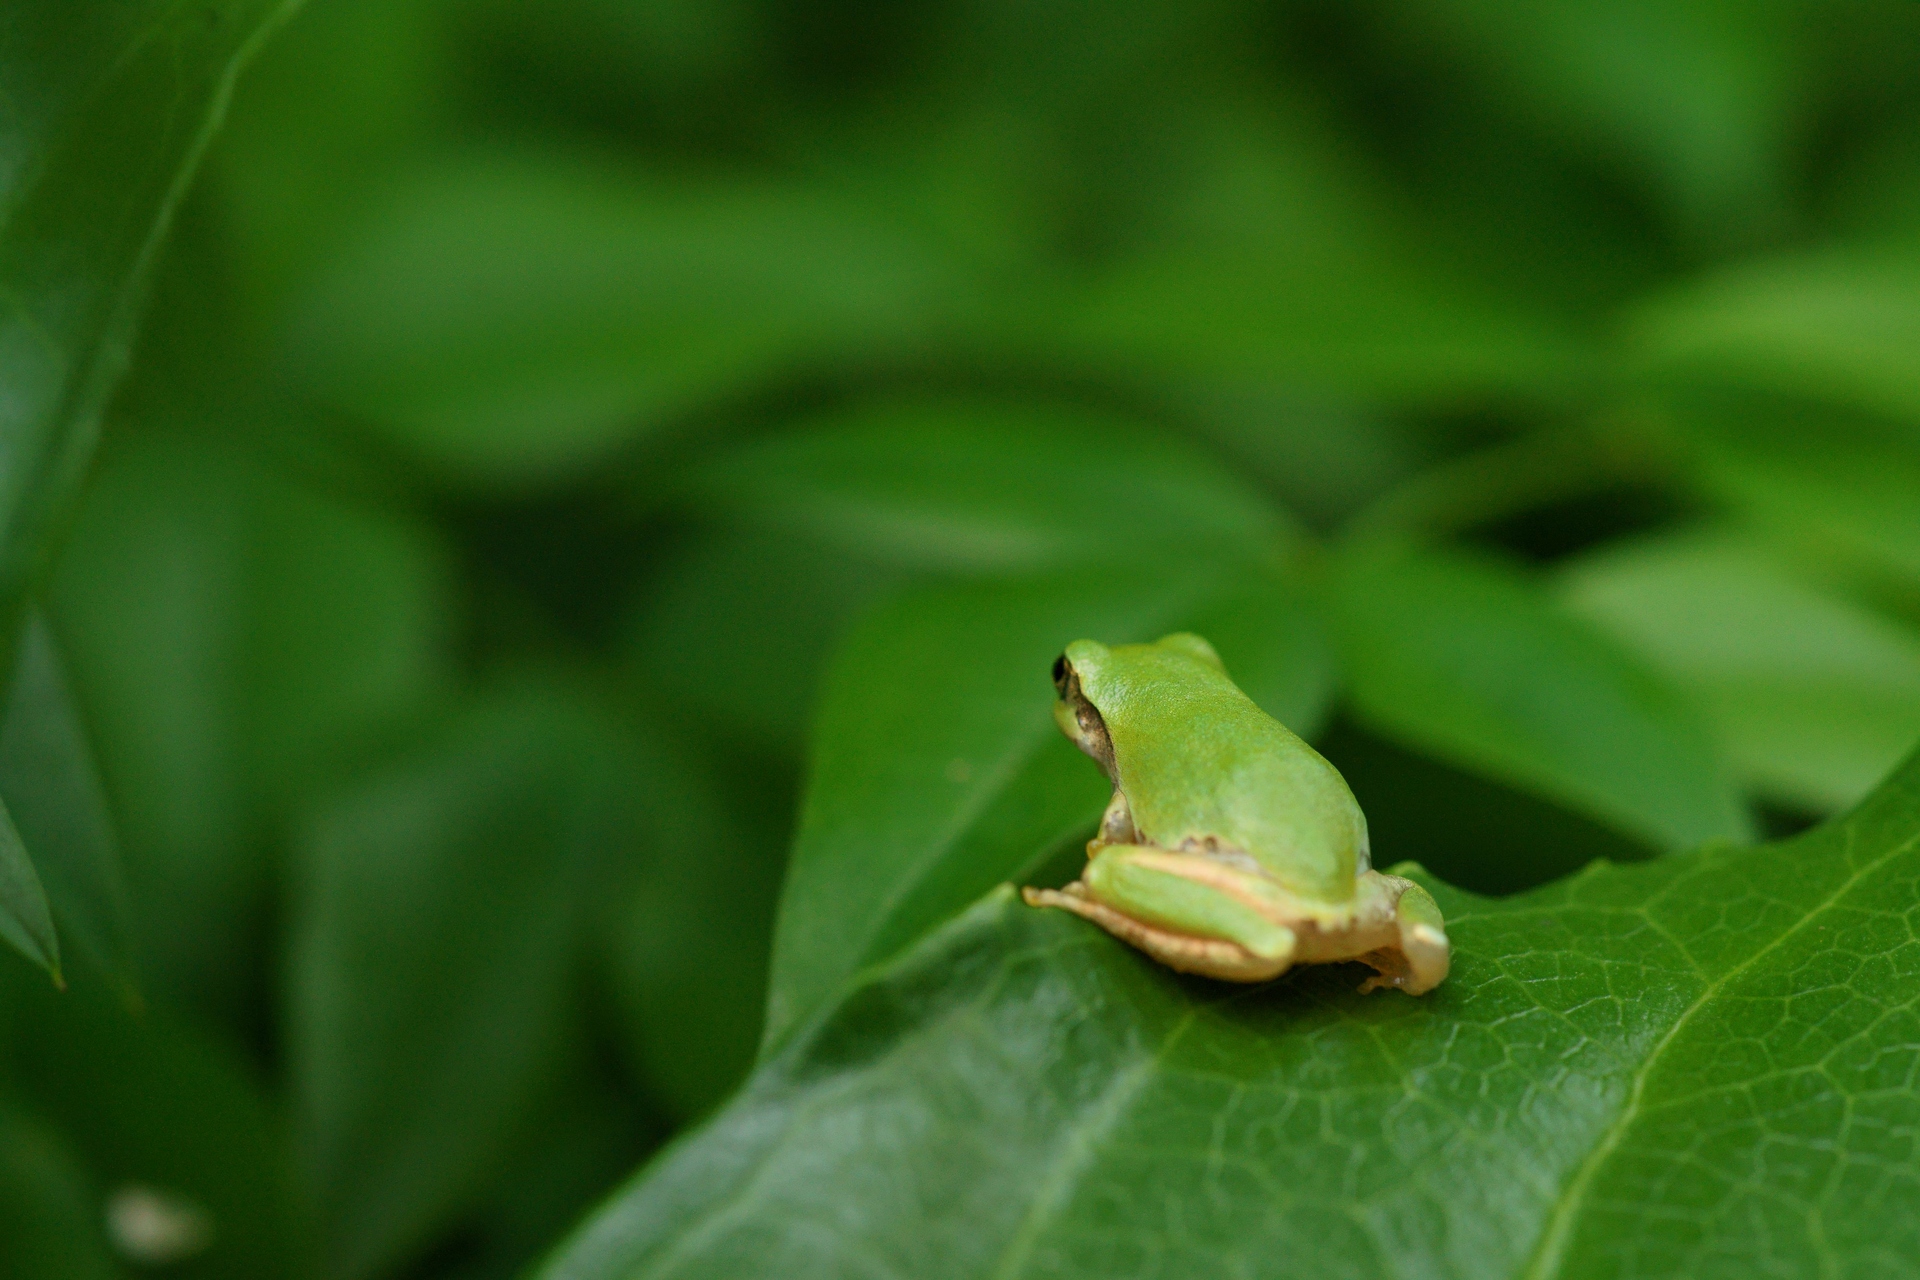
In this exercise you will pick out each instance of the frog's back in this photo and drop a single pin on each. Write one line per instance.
(1198, 759)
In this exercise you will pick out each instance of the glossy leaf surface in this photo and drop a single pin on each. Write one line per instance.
(1697, 1066)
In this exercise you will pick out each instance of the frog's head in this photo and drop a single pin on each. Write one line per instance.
(1073, 711)
(1089, 675)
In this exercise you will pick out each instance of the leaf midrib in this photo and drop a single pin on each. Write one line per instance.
(1549, 1256)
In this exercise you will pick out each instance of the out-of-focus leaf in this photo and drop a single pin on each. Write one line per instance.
(575, 1151)
(938, 770)
(1696, 1066)
(107, 111)
(513, 321)
(685, 946)
(54, 794)
(985, 486)
(1286, 273)
(1468, 661)
(1697, 96)
(735, 627)
(1840, 325)
(25, 921)
(430, 958)
(1837, 489)
(233, 639)
(160, 1110)
(351, 631)
(1814, 697)
(150, 609)
(307, 148)
(49, 1207)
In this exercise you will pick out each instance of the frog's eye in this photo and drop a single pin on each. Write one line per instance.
(1060, 673)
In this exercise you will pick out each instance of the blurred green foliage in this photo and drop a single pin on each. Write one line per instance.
(558, 431)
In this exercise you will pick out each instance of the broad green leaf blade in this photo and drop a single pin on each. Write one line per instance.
(1466, 660)
(938, 770)
(1698, 1066)
(511, 320)
(1815, 697)
(1840, 326)
(430, 956)
(25, 921)
(236, 640)
(987, 486)
(108, 108)
(52, 789)
(1835, 487)
(149, 605)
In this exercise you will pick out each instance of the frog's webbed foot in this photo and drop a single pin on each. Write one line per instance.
(1420, 961)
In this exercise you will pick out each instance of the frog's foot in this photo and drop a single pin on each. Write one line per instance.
(1210, 957)
(1420, 961)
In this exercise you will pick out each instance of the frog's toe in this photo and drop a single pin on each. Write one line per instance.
(1420, 962)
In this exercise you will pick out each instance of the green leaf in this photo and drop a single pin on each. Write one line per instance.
(512, 320)
(54, 793)
(1815, 697)
(108, 110)
(1693, 98)
(237, 640)
(699, 635)
(49, 1208)
(938, 770)
(25, 921)
(685, 944)
(982, 486)
(430, 959)
(1695, 1066)
(1839, 325)
(1464, 659)
(1835, 487)
(163, 1109)
(1286, 270)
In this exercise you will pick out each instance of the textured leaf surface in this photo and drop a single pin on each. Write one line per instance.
(938, 770)
(1463, 658)
(1700, 1066)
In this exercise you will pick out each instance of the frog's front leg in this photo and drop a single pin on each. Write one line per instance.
(1189, 911)
(1419, 961)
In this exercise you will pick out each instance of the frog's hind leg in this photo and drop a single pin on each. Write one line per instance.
(1140, 896)
(1420, 961)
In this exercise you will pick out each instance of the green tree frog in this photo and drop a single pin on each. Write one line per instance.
(1230, 848)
